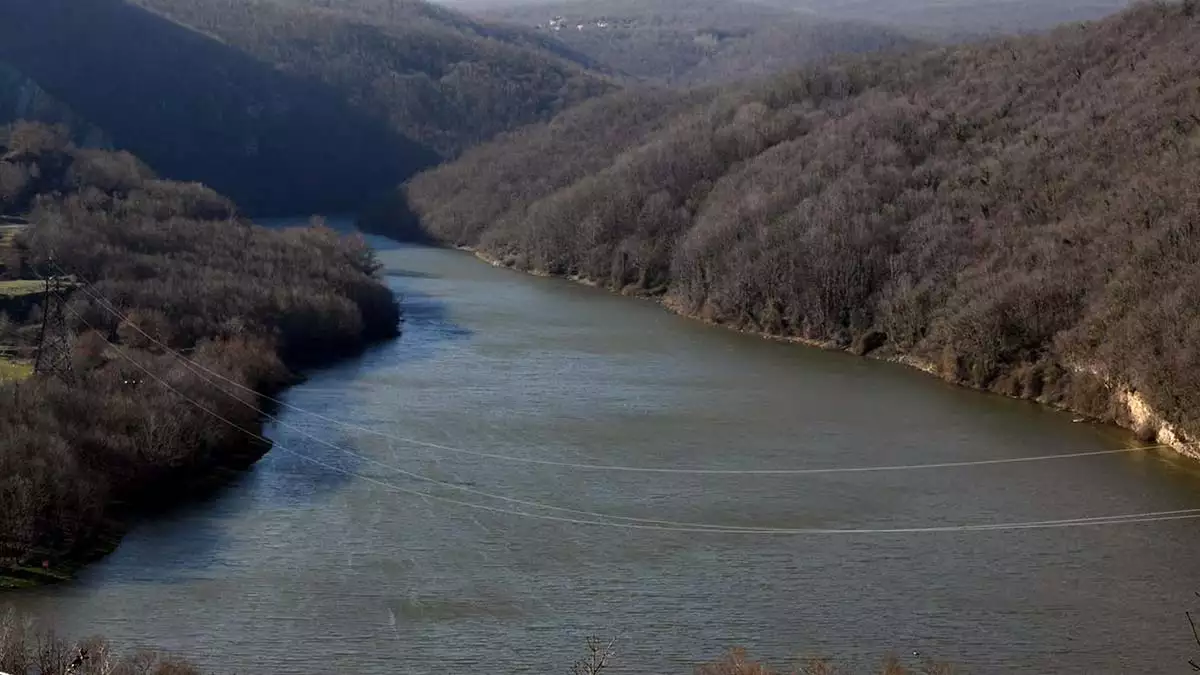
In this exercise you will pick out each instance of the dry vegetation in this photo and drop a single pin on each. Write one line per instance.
(438, 77)
(1020, 214)
(19, 287)
(25, 650)
(14, 371)
(288, 106)
(249, 302)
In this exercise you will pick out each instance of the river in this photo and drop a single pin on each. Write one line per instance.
(301, 567)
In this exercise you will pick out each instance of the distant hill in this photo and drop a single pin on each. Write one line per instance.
(285, 106)
(21, 98)
(951, 19)
(695, 41)
(1018, 215)
(437, 76)
(410, 14)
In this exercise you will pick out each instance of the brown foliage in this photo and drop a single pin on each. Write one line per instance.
(437, 76)
(185, 274)
(27, 649)
(1019, 212)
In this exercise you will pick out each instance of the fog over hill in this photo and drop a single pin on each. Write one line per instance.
(950, 18)
(697, 41)
(946, 19)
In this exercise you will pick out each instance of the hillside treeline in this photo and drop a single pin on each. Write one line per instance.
(438, 77)
(697, 41)
(179, 265)
(1020, 215)
(287, 107)
(22, 99)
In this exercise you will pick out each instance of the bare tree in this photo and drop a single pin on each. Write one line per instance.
(600, 654)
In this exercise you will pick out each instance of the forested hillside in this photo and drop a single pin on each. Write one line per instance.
(284, 106)
(1019, 216)
(694, 41)
(23, 99)
(183, 271)
(438, 77)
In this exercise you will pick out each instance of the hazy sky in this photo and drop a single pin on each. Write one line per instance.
(964, 15)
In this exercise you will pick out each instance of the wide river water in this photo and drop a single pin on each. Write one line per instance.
(325, 557)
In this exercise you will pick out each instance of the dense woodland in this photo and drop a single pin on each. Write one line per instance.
(323, 105)
(697, 41)
(23, 99)
(287, 106)
(179, 264)
(438, 77)
(1019, 215)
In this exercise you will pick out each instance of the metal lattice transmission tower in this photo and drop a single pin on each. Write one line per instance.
(54, 342)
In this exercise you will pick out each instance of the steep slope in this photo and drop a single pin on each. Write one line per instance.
(693, 41)
(438, 77)
(1001, 214)
(404, 14)
(21, 98)
(284, 107)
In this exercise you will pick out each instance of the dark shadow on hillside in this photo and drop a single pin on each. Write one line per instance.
(197, 109)
(391, 216)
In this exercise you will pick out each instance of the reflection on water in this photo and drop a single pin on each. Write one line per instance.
(294, 567)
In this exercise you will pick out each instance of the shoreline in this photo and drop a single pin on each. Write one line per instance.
(203, 480)
(1137, 415)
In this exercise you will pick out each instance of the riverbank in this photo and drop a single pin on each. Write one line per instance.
(1122, 407)
(121, 426)
(895, 206)
(196, 483)
(177, 488)
(520, 367)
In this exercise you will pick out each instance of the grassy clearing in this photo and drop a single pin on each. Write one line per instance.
(13, 289)
(12, 371)
(8, 234)
(30, 577)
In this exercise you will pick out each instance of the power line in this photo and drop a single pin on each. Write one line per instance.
(409, 474)
(108, 306)
(645, 524)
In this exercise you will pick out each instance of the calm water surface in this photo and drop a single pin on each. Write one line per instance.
(297, 567)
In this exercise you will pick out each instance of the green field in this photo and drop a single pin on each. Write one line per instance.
(14, 370)
(29, 577)
(13, 289)
(8, 233)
